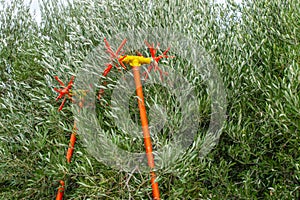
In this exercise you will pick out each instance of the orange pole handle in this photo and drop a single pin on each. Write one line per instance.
(146, 132)
(61, 190)
(71, 144)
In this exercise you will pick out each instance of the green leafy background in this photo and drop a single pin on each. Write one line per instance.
(255, 46)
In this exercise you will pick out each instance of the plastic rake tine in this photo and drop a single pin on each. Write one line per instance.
(64, 91)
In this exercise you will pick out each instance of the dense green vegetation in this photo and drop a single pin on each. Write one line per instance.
(255, 46)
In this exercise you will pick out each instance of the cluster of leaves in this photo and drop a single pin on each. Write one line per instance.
(255, 46)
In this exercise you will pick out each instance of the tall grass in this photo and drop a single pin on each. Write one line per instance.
(255, 46)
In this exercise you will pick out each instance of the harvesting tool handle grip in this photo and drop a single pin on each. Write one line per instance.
(135, 61)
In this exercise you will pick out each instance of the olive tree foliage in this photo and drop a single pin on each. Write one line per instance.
(254, 45)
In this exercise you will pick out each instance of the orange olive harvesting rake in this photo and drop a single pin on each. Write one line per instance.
(134, 61)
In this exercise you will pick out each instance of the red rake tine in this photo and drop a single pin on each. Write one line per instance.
(121, 46)
(64, 91)
(108, 49)
(62, 104)
(71, 82)
(60, 82)
(151, 49)
(121, 63)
